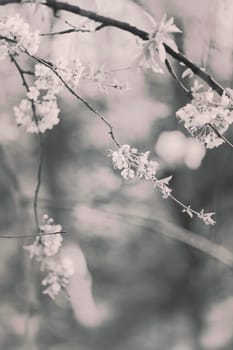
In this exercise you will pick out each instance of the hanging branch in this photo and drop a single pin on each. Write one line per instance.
(39, 171)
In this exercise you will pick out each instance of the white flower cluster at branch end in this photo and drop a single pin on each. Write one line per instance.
(134, 164)
(152, 51)
(45, 250)
(15, 36)
(207, 117)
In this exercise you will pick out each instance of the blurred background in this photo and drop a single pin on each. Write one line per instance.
(133, 288)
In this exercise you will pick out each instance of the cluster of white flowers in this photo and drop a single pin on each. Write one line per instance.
(58, 275)
(207, 116)
(45, 250)
(152, 51)
(134, 164)
(39, 112)
(37, 116)
(15, 36)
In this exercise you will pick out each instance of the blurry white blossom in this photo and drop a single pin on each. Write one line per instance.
(16, 36)
(152, 51)
(43, 117)
(183, 150)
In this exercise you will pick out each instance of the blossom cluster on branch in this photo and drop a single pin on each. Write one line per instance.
(16, 36)
(45, 249)
(43, 96)
(207, 116)
(136, 165)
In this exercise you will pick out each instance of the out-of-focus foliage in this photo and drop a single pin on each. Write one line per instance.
(133, 288)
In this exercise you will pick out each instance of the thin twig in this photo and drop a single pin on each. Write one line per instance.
(21, 72)
(74, 30)
(33, 235)
(28, 72)
(183, 205)
(38, 184)
(175, 76)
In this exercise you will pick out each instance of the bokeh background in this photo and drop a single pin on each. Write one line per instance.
(133, 288)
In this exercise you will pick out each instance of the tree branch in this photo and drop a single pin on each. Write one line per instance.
(108, 21)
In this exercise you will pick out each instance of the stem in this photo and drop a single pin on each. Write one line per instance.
(33, 235)
(39, 175)
(174, 75)
(182, 204)
(74, 30)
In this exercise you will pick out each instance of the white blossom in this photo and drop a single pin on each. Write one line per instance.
(46, 245)
(18, 36)
(162, 185)
(206, 217)
(44, 118)
(46, 79)
(152, 51)
(45, 249)
(188, 210)
(33, 93)
(207, 117)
